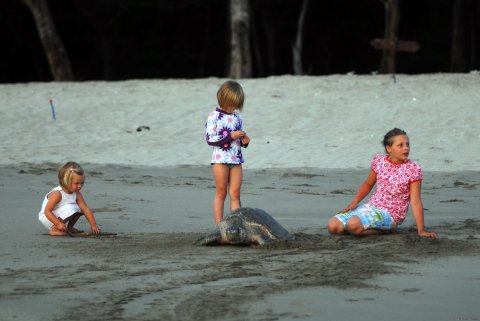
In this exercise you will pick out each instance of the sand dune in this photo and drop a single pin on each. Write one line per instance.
(325, 122)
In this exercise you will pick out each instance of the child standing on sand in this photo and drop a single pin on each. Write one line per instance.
(224, 131)
(398, 181)
(64, 205)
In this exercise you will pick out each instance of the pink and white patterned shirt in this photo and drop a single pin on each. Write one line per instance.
(393, 185)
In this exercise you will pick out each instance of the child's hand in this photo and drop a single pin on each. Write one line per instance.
(245, 140)
(350, 207)
(237, 134)
(428, 234)
(94, 229)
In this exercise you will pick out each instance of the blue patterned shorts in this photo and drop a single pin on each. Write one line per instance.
(371, 217)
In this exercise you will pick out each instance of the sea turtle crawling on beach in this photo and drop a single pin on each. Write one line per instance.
(246, 225)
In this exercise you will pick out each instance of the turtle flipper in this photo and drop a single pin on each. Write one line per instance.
(210, 239)
(261, 239)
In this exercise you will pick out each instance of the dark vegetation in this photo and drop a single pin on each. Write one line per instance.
(124, 39)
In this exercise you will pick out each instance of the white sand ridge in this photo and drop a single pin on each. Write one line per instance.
(326, 122)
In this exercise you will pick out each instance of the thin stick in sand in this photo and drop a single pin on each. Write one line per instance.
(85, 234)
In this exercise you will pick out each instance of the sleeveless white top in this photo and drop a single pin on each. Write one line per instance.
(65, 208)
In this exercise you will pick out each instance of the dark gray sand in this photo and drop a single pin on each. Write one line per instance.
(151, 271)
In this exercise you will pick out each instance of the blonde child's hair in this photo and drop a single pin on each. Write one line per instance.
(65, 173)
(230, 94)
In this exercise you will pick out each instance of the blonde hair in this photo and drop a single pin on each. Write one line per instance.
(65, 173)
(230, 94)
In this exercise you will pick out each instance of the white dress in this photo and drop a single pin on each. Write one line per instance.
(64, 209)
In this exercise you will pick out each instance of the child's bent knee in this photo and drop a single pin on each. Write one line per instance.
(354, 226)
(334, 226)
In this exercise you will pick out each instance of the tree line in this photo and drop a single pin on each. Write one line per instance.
(250, 38)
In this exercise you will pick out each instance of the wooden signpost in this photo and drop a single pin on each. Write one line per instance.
(402, 45)
(392, 46)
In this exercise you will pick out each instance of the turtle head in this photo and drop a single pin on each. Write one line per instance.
(236, 235)
(234, 232)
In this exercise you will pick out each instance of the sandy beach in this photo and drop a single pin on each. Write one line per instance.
(312, 139)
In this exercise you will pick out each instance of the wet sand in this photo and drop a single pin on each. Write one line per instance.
(151, 271)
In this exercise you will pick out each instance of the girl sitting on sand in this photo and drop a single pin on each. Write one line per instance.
(399, 182)
(64, 205)
(224, 131)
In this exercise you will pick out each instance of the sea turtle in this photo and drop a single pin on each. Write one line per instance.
(246, 225)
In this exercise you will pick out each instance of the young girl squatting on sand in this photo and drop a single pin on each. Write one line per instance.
(224, 131)
(398, 182)
(64, 205)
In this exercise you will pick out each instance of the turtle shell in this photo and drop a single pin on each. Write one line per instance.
(256, 217)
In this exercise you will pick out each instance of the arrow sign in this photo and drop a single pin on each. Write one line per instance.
(400, 45)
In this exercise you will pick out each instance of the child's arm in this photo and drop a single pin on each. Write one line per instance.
(218, 138)
(53, 199)
(227, 139)
(417, 209)
(88, 214)
(363, 191)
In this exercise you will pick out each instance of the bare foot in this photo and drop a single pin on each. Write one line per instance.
(55, 232)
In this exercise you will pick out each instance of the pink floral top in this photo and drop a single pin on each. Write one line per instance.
(393, 185)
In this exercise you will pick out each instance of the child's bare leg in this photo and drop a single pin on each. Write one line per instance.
(336, 227)
(235, 185)
(71, 221)
(220, 174)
